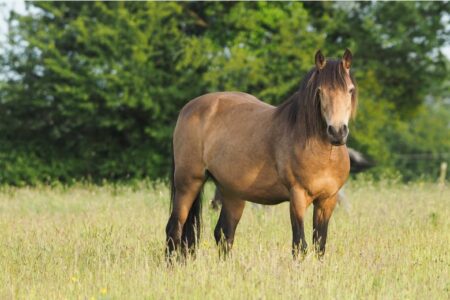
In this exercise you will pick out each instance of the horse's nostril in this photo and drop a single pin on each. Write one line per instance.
(344, 129)
(330, 130)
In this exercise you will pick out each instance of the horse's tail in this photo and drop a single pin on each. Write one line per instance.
(191, 229)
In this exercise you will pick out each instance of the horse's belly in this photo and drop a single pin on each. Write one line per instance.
(259, 186)
(268, 195)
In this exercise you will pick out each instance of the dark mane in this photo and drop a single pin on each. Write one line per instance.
(301, 111)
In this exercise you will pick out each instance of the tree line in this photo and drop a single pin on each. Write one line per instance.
(91, 90)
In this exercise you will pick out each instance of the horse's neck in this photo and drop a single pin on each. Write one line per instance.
(295, 144)
(315, 151)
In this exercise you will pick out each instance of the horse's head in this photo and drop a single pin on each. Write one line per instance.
(336, 92)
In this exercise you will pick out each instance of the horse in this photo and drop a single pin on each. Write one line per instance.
(264, 154)
(358, 163)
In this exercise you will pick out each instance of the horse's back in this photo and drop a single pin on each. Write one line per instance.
(219, 103)
(216, 112)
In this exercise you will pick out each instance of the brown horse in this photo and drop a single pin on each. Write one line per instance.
(264, 154)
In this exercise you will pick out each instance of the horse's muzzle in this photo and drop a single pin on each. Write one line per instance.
(338, 136)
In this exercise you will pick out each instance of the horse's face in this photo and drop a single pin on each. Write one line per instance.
(336, 101)
(336, 109)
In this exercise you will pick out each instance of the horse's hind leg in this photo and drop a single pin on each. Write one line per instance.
(230, 215)
(187, 191)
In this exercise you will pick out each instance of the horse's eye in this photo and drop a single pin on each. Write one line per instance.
(352, 90)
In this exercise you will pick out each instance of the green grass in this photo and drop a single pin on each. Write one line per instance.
(107, 242)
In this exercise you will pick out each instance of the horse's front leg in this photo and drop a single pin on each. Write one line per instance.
(298, 203)
(322, 214)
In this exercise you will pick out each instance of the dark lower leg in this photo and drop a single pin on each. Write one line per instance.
(298, 203)
(322, 214)
(320, 229)
(226, 226)
(183, 200)
(173, 235)
(224, 234)
(299, 244)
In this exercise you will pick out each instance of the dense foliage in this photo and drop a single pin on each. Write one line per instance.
(92, 90)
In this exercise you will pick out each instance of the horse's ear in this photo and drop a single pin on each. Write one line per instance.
(320, 60)
(347, 59)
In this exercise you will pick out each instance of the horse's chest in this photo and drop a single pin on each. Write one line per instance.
(324, 179)
(323, 185)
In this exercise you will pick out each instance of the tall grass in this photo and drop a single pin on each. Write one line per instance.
(107, 242)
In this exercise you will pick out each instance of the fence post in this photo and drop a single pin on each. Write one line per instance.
(443, 174)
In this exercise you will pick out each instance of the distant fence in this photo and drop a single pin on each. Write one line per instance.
(422, 156)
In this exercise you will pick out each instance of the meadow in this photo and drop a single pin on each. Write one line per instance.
(107, 242)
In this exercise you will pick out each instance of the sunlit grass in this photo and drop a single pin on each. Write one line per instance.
(107, 242)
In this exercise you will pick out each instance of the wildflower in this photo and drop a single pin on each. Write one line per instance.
(103, 291)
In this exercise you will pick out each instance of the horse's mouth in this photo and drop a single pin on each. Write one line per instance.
(338, 143)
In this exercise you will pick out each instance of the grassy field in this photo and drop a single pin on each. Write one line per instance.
(89, 242)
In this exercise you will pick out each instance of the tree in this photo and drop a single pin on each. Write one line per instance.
(94, 89)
